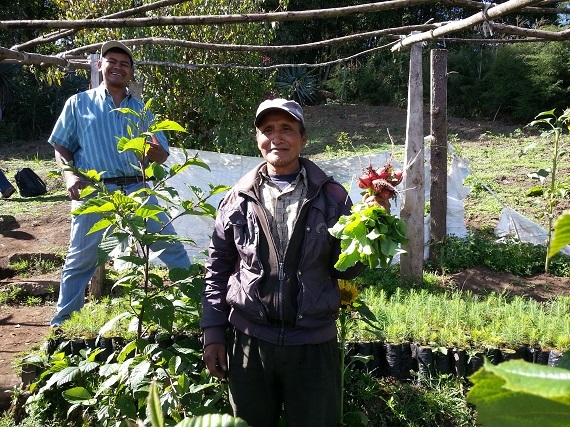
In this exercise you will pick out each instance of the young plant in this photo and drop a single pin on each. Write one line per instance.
(371, 235)
(556, 126)
(113, 391)
(351, 310)
(124, 219)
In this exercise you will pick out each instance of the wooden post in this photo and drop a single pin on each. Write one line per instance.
(95, 287)
(438, 172)
(413, 197)
(96, 77)
(136, 89)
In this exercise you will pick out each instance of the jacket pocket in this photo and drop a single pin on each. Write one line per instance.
(241, 296)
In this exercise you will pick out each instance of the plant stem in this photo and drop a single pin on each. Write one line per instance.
(552, 195)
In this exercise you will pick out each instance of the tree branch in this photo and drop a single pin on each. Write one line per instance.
(160, 41)
(48, 38)
(492, 13)
(212, 19)
(540, 35)
(472, 4)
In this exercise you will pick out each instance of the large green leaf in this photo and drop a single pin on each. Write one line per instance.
(153, 409)
(159, 310)
(213, 420)
(134, 144)
(561, 236)
(79, 395)
(521, 394)
(166, 125)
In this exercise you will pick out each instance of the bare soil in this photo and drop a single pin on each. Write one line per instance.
(23, 327)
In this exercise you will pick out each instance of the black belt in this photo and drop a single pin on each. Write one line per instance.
(123, 180)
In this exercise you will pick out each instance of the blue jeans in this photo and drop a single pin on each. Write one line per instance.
(81, 259)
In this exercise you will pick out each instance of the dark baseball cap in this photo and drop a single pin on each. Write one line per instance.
(114, 43)
(279, 104)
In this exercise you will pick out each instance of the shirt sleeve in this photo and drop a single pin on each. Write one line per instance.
(64, 132)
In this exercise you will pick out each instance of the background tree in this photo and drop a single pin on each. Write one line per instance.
(216, 104)
(209, 94)
(28, 105)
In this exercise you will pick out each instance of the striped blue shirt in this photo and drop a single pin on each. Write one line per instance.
(90, 130)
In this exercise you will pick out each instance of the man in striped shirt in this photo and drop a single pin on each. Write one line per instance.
(86, 135)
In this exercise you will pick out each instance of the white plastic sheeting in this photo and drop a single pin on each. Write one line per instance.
(227, 169)
(513, 224)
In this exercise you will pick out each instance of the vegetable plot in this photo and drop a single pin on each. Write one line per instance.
(370, 234)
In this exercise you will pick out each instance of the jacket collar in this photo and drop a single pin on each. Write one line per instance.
(316, 177)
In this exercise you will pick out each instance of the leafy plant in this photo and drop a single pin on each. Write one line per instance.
(112, 389)
(518, 393)
(124, 219)
(369, 235)
(156, 416)
(36, 264)
(297, 83)
(10, 293)
(556, 125)
(352, 310)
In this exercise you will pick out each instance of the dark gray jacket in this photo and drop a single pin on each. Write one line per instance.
(289, 301)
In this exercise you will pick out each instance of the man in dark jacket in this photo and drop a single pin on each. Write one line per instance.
(271, 297)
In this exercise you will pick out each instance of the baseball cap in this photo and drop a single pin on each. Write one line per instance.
(114, 43)
(291, 107)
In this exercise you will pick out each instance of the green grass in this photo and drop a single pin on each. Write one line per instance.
(39, 156)
(497, 164)
(464, 320)
(36, 264)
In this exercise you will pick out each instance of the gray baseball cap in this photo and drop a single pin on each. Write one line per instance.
(114, 43)
(291, 107)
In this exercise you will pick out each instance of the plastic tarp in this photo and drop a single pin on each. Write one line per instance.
(513, 224)
(227, 169)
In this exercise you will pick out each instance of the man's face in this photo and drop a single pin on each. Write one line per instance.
(280, 141)
(117, 69)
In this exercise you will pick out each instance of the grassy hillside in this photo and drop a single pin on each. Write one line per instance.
(494, 150)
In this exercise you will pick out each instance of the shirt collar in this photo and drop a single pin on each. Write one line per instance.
(104, 93)
(265, 177)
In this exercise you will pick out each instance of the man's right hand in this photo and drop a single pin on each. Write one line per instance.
(74, 185)
(216, 360)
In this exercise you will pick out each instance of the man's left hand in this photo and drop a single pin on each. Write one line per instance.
(376, 199)
(156, 152)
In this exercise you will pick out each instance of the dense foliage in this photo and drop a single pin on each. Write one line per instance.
(215, 101)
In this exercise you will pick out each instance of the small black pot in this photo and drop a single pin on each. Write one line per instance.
(77, 344)
(459, 360)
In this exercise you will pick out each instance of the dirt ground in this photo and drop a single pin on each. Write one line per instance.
(22, 327)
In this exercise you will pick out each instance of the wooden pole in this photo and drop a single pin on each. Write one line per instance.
(95, 74)
(413, 198)
(438, 171)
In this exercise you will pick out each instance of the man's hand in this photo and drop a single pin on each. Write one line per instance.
(376, 199)
(216, 360)
(156, 152)
(73, 184)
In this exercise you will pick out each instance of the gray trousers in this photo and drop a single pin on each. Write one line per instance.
(301, 380)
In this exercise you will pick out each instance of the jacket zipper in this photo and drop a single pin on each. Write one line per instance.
(281, 276)
(281, 270)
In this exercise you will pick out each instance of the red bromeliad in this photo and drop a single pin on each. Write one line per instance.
(381, 181)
